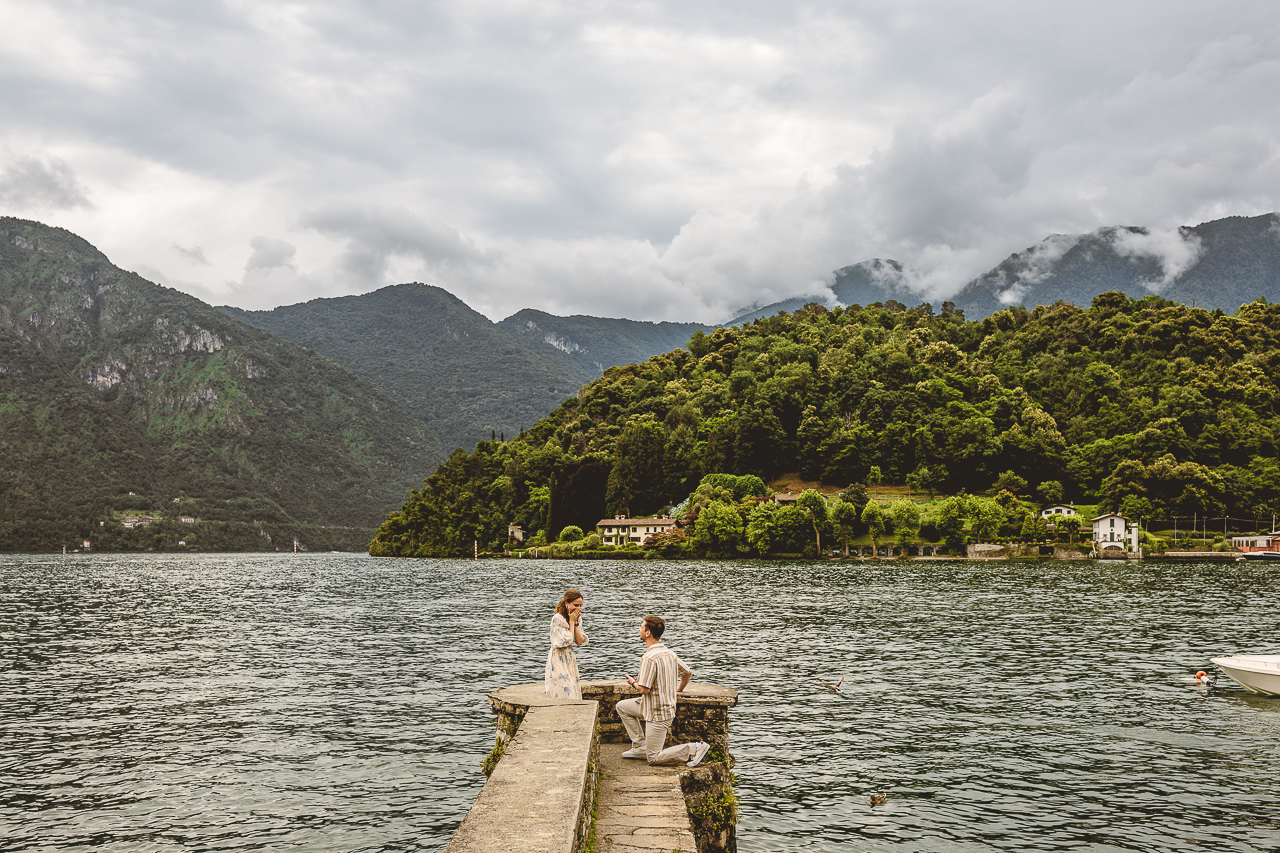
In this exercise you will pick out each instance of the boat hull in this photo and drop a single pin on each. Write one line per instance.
(1261, 555)
(1256, 673)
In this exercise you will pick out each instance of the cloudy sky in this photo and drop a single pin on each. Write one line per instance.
(654, 160)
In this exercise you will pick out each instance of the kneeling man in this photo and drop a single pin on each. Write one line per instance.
(648, 717)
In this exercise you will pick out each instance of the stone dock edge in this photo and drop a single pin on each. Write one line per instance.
(550, 778)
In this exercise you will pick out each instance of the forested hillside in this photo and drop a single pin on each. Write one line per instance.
(118, 397)
(446, 363)
(464, 376)
(1145, 405)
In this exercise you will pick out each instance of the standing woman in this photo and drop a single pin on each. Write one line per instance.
(566, 632)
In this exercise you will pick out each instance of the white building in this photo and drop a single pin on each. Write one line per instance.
(1058, 512)
(620, 531)
(1258, 542)
(1113, 530)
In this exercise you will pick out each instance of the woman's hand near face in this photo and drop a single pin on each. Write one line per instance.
(575, 620)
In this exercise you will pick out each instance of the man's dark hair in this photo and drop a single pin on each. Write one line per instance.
(655, 625)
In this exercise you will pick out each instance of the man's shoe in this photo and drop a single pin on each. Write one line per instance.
(636, 753)
(699, 753)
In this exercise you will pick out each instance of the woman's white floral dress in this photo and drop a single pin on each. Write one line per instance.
(562, 667)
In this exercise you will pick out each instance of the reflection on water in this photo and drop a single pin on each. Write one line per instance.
(336, 702)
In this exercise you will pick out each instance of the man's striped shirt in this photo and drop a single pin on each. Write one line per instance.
(660, 671)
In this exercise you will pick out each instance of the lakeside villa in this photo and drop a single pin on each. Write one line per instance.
(621, 530)
(1113, 531)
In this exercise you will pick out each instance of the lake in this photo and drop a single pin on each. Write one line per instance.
(336, 701)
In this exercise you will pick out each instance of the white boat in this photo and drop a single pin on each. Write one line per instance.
(1260, 555)
(1258, 673)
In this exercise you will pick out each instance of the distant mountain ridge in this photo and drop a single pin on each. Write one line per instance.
(1223, 264)
(469, 378)
(595, 344)
(117, 394)
(462, 374)
(876, 280)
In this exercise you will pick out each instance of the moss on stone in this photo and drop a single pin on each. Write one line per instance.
(717, 813)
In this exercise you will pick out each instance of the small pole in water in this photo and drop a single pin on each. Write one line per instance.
(477, 547)
(295, 549)
(64, 552)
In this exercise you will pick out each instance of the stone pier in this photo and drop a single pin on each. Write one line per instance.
(557, 781)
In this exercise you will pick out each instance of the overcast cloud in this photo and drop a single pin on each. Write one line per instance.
(650, 160)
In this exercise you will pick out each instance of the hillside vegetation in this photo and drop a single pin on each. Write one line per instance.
(443, 361)
(464, 376)
(1143, 405)
(119, 397)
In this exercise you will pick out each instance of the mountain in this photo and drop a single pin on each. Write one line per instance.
(121, 396)
(446, 363)
(1223, 264)
(877, 280)
(594, 344)
(465, 376)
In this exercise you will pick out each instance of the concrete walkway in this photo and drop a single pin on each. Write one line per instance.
(640, 808)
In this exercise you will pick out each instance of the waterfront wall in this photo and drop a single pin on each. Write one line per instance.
(544, 770)
(541, 786)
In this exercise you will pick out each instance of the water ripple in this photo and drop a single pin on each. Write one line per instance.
(336, 702)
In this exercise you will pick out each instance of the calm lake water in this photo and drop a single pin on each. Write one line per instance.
(336, 702)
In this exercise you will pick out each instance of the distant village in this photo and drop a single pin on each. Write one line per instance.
(1110, 535)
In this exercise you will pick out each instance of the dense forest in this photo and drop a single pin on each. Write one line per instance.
(1142, 405)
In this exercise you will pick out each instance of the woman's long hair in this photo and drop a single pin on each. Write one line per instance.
(563, 606)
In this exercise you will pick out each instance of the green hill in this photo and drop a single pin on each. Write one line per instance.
(1148, 406)
(465, 376)
(446, 363)
(118, 396)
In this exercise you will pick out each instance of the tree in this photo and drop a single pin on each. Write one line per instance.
(719, 531)
(815, 506)
(1050, 491)
(572, 533)
(931, 477)
(844, 517)
(637, 477)
(950, 521)
(671, 544)
(873, 518)
(760, 526)
(857, 496)
(1009, 481)
(906, 522)
(987, 517)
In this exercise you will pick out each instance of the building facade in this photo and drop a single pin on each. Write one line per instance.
(620, 531)
(1114, 530)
